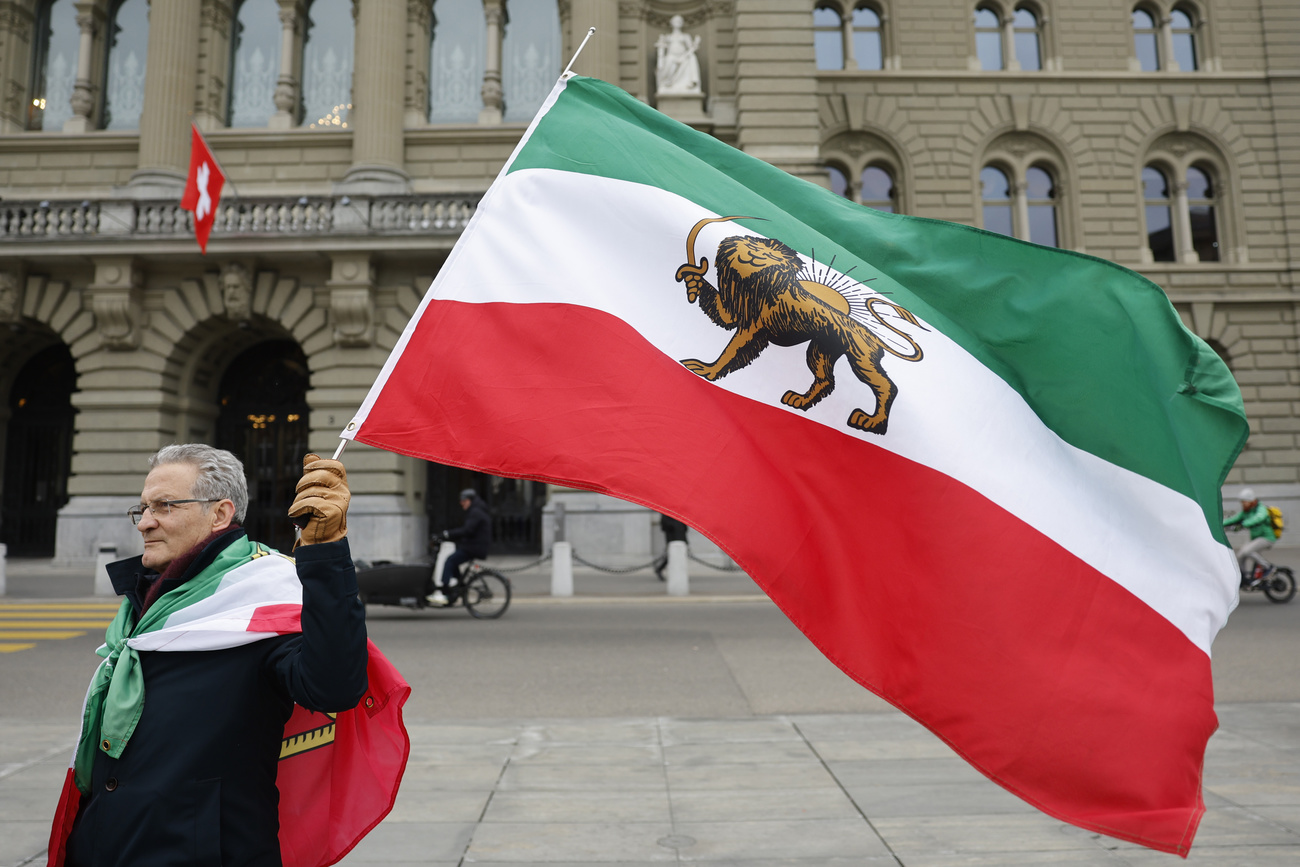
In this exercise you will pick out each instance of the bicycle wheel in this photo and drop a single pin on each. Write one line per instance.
(1280, 587)
(487, 594)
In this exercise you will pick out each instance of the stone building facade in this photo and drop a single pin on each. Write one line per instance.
(357, 137)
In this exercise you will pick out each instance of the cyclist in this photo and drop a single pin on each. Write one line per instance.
(472, 540)
(1253, 517)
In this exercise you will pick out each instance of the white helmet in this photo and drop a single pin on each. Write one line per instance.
(1247, 495)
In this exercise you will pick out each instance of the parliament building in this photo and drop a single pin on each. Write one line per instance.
(358, 136)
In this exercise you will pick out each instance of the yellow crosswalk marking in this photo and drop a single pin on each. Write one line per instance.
(22, 624)
(29, 634)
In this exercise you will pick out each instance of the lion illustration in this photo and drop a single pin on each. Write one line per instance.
(761, 297)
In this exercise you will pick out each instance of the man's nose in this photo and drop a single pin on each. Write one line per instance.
(147, 520)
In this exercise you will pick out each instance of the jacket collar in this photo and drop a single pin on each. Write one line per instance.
(127, 575)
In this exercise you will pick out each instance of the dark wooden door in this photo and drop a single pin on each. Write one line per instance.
(38, 453)
(263, 421)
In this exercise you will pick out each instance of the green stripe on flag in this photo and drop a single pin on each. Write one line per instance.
(1096, 350)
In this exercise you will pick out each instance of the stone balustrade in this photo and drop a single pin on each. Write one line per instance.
(32, 221)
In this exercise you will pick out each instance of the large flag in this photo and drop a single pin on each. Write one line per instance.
(202, 187)
(982, 476)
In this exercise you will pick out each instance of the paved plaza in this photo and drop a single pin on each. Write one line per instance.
(709, 782)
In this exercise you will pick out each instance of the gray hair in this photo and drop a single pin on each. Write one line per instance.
(220, 476)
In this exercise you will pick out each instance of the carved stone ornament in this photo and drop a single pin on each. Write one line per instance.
(11, 297)
(351, 312)
(236, 292)
(115, 302)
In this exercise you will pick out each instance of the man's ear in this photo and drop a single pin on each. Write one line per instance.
(223, 514)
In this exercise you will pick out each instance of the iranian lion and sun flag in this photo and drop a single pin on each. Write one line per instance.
(982, 476)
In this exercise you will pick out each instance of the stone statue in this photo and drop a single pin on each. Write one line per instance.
(677, 69)
(236, 292)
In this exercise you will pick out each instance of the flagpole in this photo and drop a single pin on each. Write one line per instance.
(590, 32)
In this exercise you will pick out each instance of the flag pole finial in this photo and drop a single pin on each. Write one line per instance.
(591, 31)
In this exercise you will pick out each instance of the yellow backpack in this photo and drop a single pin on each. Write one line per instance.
(1276, 521)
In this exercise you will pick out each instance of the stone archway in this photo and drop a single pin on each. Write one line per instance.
(37, 451)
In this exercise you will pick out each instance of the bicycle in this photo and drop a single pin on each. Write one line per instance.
(1277, 582)
(484, 592)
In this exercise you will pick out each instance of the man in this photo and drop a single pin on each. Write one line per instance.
(1253, 517)
(181, 738)
(472, 540)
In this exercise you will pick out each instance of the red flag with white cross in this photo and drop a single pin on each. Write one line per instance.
(202, 188)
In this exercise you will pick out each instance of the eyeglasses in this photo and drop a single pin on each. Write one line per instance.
(160, 507)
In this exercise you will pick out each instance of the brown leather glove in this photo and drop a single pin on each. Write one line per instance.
(321, 506)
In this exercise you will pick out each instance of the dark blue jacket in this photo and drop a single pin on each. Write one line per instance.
(475, 535)
(196, 783)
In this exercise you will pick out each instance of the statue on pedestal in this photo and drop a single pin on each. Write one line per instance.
(677, 70)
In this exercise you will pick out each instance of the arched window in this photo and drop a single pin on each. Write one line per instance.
(988, 39)
(878, 189)
(1028, 40)
(327, 65)
(530, 57)
(828, 37)
(128, 44)
(1020, 197)
(1040, 206)
(1201, 196)
(997, 204)
(54, 65)
(868, 39)
(254, 63)
(456, 61)
(1183, 36)
(1146, 40)
(1158, 210)
(839, 181)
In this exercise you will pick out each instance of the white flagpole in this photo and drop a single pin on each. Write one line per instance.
(590, 32)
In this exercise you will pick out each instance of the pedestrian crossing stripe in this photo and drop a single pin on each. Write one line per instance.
(24, 623)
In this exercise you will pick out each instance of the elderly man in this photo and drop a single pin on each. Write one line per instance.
(184, 719)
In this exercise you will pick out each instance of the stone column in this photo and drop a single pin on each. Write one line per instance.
(378, 147)
(211, 98)
(90, 20)
(1009, 59)
(493, 102)
(169, 89)
(776, 87)
(418, 45)
(16, 31)
(1167, 43)
(1020, 197)
(288, 89)
(1182, 222)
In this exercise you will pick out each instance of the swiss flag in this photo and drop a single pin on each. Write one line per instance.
(202, 188)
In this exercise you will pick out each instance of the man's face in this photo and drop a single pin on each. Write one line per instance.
(168, 536)
(464, 504)
(1247, 505)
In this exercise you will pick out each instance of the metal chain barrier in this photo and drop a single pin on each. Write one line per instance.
(591, 565)
(724, 567)
(503, 570)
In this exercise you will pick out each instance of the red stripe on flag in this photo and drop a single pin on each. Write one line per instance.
(283, 619)
(64, 815)
(1051, 679)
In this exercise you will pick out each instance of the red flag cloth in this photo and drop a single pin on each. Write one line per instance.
(338, 775)
(202, 188)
